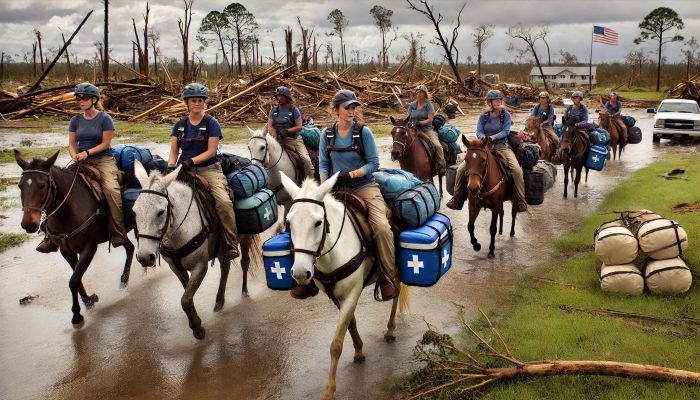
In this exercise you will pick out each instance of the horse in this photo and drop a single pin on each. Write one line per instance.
(542, 137)
(574, 150)
(324, 240)
(486, 188)
(618, 139)
(411, 153)
(169, 221)
(75, 220)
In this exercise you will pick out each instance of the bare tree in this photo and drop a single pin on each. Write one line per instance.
(636, 59)
(184, 27)
(33, 59)
(154, 37)
(382, 18)
(305, 44)
(104, 55)
(340, 22)
(544, 31)
(691, 54)
(568, 58)
(242, 24)
(451, 52)
(529, 36)
(41, 51)
(482, 34)
(289, 46)
(70, 69)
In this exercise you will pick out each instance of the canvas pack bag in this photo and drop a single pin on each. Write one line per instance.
(662, 238)
(615, 244)
(670, 276)
(621, 279)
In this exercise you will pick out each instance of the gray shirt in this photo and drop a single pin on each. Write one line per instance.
(89, 131)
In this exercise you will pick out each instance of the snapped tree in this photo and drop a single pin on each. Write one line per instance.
(184, 27)
(339, 22)
(482, 34)
(529, 35)
(654, 28)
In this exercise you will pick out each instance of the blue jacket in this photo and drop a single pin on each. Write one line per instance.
(548, 115)
(581, 113)
(488, 125)
(331, 162)
(613, 109)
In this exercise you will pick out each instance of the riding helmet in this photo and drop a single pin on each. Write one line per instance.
(88, 89)
(344, 98)
(577, 94)
(195, 90)
(283, 91)
(493, 95)
(543, 95)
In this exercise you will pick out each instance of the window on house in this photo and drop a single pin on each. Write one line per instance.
(572, 84)
(562, 76)
(584, 77)
(572, 76)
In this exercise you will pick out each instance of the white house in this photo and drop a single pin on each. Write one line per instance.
(562, 77)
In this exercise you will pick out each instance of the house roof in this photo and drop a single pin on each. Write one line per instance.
(556, 70)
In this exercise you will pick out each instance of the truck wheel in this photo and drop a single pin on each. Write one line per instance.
(656, 138)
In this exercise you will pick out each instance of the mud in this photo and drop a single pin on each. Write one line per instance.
(136, 343)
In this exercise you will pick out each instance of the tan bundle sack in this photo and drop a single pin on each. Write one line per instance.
(621, 279)
(615, 244)
(668, 276)
(662, 238)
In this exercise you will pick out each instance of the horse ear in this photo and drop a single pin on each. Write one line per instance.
(465, 141)
(251, 132)
(140, 173)
(49, 161)
(20, 160)
(393, 121)
(171, 177)
(289, 185)
(326, 186)
(405, 121)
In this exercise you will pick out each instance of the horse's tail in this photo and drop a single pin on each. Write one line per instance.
(255, 254)
(404, 299)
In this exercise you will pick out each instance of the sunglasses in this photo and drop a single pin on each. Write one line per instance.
(82, 97)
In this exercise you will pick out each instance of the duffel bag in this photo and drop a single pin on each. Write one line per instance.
(415, 206)
(550, 173)
(232, 162)
(528, 154)
(393, 181)
(125, 155)
(615, 244)
(557, 130)
(450, 178)
(514, 140)
(634, 135)
(438, 121)
(661, 239)
(599, 136)
(448, 133)
(628, 120)
(534, 186)
(670, 276)
(311, 136)
(129, 197)
(256, 213)
(589, 126)
(248, 181)
(621, 279)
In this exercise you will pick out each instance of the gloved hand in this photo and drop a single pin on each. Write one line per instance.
(344, 177)
(169, 169)
(283, 132)
(187, 163)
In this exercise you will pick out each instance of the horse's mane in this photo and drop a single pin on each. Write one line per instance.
(36, 163)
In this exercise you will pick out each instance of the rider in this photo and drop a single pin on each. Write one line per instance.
(349, 148)
(578, 110)
(90, 142)
(495, 123)
(285, 122)
(198, 136)
(421, 113)
(544, 110)
(614, 107)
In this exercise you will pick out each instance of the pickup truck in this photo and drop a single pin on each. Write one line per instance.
(676, 119)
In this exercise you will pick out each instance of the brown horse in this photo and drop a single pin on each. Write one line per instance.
(618, 137)
(542, 137)
(75, 220)
(487, 188)
(411, 153)
(574, 150)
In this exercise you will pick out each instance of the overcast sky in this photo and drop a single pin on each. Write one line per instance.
(570, 24)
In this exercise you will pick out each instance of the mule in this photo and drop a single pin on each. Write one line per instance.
(324, 240)
(75, 220)
(618, 138)
(411, 153)
(574, 151)
(544, 137)
(168, 220)
(486, 188)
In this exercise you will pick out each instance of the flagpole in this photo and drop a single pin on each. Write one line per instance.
(590, 64)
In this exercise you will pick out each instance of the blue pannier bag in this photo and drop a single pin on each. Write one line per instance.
(125, 155)
(231, 162)
(589, 126)
(129, 197)
(278, 261)
(599, 136)
(596, 157)
(628, 120)
(415, 206)
(393, 181)
(311, 136)
(248, 180)
(424, 253)
(557, 130)
(256, 213)
(448, 133)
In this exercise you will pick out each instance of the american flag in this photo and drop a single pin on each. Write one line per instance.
(604, 35)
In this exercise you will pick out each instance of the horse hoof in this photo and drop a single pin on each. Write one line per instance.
(491, 255)
(90, 301)
(358, 358)
(124, 280)
(389, 338)
(245, 294)
(199, 333)
(78, 321)
(218, 306)
(477, 247)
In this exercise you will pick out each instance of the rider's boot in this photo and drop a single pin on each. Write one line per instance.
(46, 246)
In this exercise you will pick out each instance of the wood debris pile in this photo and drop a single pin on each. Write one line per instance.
(687, 90)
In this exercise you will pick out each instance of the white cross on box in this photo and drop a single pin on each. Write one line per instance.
(278, 270)
(416, 264)
(445, 258)
(595, 158)
(267, 213)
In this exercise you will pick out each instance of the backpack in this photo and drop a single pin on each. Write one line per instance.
(438, 122)
(182, 123)
(357, 145)
(485, 117)
(290, 115)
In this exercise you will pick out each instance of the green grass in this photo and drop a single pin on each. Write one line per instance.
(8, 240)
(8, 155)
(635, 93)
(536, 328)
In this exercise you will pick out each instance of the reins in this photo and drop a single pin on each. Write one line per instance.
(481, 195)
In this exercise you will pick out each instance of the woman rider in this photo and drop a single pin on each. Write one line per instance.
(614, 108)
(545, 112)
(198, 136)
(90, 142)
(349, 149)
(421, 113)
(285, 121)
(495, 123)
(578, 110)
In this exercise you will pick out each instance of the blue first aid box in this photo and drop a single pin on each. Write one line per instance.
(596, 157)
(277, 260)
(424, 253)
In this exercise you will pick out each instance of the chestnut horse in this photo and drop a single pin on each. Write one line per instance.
(411, 153)
(574, 150)
(618, 137)
(486, 188)
(544, 137)
(76, 221)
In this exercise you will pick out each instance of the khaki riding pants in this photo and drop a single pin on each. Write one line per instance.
(299, 146)
(439, 153)
(381, 230)
(109, 181)
(218, 188)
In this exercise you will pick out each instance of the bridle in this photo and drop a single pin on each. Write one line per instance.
(50, 192)
(403, 131)
(482, 176)
(168, 216)
(317, 253)
(264, 158)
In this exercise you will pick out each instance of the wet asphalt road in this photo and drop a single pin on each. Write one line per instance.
(136, 343)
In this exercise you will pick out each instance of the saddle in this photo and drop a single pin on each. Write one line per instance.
(502, 164)
(448, 151)
(91, 176)
(358, 211)
(294, 155)
(204, 199)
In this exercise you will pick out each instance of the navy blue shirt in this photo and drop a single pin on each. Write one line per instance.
(421, 114)
(544, 115)
(613, 108)
(284, 117)
(331, 162)
(196, 139)
(488, 125)
(89, 131)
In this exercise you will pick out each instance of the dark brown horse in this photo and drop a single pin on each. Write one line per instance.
(75, 220)
(618, 137)
(411, 153)
(543, 136)
(574, 150)
(486, 188)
